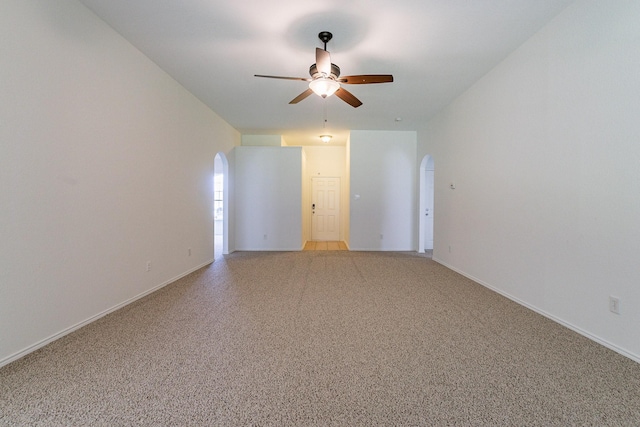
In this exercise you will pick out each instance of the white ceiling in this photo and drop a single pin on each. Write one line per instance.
(435, 49)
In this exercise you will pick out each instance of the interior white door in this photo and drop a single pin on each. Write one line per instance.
(428, 210)
(325, 209)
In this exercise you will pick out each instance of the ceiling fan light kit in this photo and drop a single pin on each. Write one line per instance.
(324, 86)
(325, 77)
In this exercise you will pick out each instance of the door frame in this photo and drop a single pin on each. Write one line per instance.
(427, 164)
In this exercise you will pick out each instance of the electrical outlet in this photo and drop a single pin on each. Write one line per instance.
(614, 304)
(148, 265)
(264, 237)
(381, 236)
(189, 251)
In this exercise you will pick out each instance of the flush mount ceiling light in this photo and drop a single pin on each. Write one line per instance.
(325, 138)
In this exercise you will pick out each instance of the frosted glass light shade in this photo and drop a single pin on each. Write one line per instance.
(324, 87)
(325, 138)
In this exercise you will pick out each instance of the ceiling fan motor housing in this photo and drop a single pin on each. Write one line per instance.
(335, 71)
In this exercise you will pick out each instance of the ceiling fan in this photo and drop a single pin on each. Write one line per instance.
(325, 77)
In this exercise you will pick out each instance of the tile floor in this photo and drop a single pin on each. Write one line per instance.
(325, 246)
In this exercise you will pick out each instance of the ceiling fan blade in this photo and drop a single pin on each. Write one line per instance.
(302, 96)
(323, 62)
(365, 79)
(283, 78)
(348, 97)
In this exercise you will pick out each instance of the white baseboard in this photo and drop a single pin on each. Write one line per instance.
(382, 250)
(291, 249)
(93, 318)
(619, 350)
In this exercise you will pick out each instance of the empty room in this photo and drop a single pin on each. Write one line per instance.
(319, 213)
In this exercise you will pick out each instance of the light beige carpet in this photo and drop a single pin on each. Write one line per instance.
(322, 338)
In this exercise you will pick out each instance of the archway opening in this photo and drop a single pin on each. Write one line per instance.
(220, 206)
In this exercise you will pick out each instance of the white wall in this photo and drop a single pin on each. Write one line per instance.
(305, 185)
(105, 163)
(383, 169)
(347, 200)
(268, 198)
(325, 162)
(262, 140)
(545, 153)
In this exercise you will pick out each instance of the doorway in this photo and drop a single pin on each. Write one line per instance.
(325, 209)
(220, 206)
(427, 213)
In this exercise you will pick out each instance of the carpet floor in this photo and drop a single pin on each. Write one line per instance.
(322, 338)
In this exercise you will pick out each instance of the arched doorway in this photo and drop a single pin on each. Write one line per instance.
(426, 214)
(220, 205)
